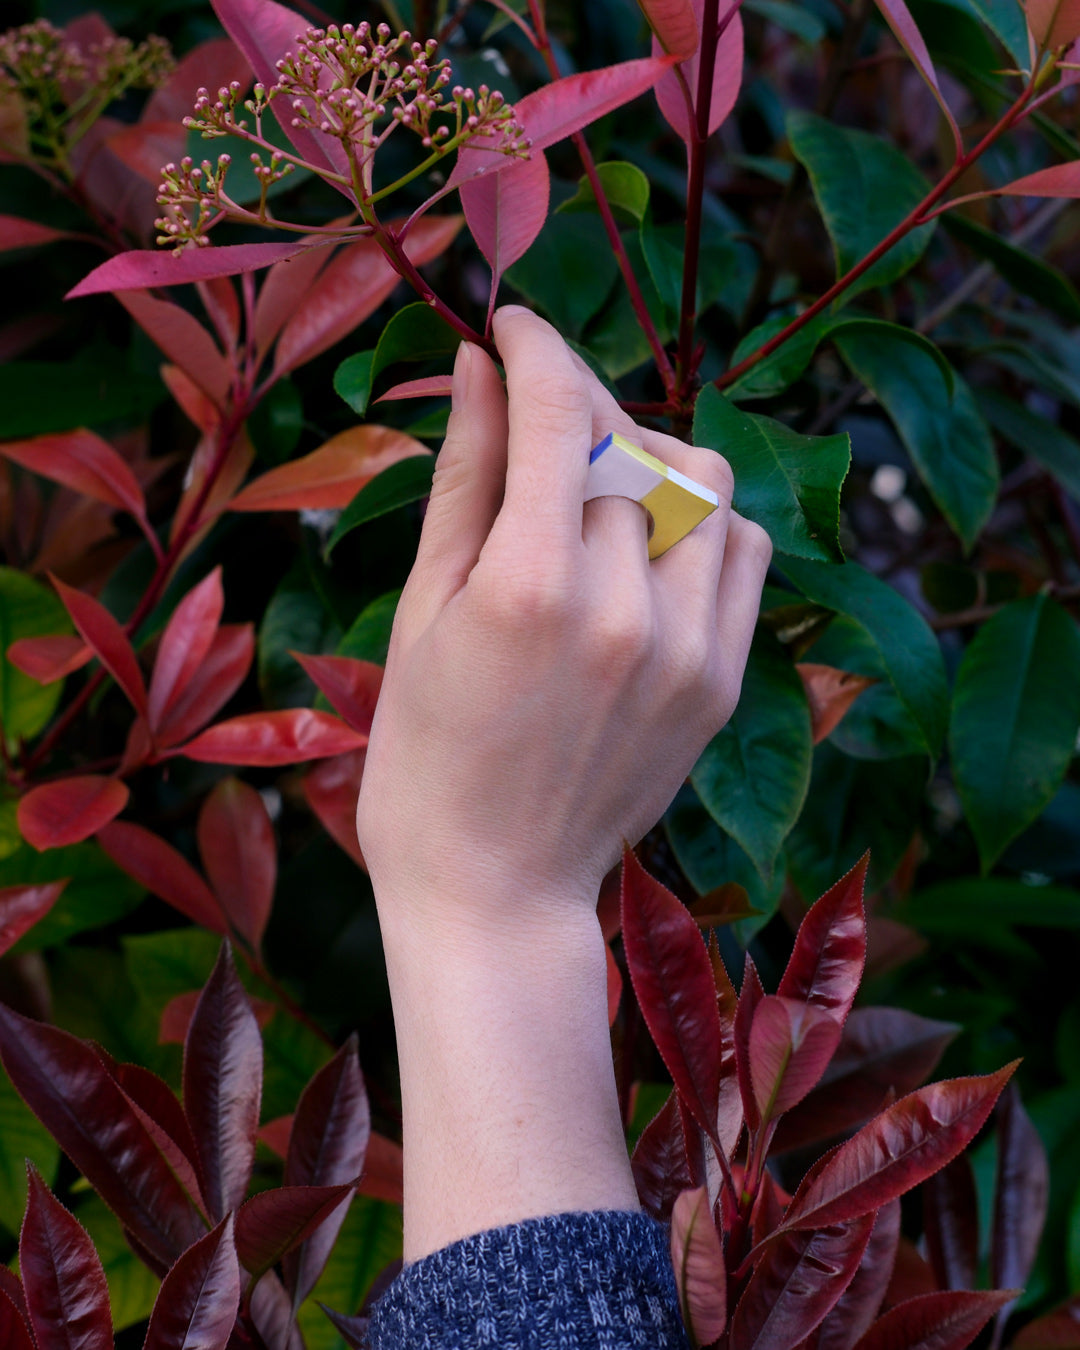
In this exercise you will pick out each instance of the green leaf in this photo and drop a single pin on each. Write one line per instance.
(568, 271)
(133, 1288)
(98, 893)
(786, 482)
(1036, 436)
(863, 187)
(295, 620)
(908, 650)
(1005, 19)
(663, 247)
(963, 906)
(41, 396)
(794, 19)
(175, 961)
(277, 422)
(753, 775)
(415, 333)
(241, 182)
(1015, 715)
(27, 609)
(1031, 276)
(944, 434)
(409, 480)
(615, 337)
(21, 1137)
(293, 1054)
(353, 380)
(369, 636)
(783, 366)
(370, 1239)
(625, 187)
(95, 998)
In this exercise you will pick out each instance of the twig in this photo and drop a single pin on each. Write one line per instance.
(964, 618)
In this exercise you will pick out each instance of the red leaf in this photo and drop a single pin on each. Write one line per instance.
(264, 739)
(351, 288)
(326, 1148)
(947, 1320)
(700, 1274)
(144, 269)
(275, 1134)
(177, 1014)
(1060, 180)
(896, 1150)
(212, 64)
(858, 1305)
(383, 1177)
(1055, 1330)
(239, 853)
(331, 476)
(614, 986)
(264, 31)
(70, 1090)
(827, 960)
(729, 1119)
(200, 409)
(791, 1044)
(18, 233)
(184, 341)
(184, 645)
(110, 644)
(830, 693)
(1020, 1197)
(675, 24)
(84, 462)
(1053, 23)
(49, 658)
(661, 1172)
(951, 1224)
(197, 1304)
(66, 1293)
(352, 686)
(223, 1087)
(430, 386)
(796, 1283)
(217, 678)
(506, 211)
(283, 290)
(881, 1051)
(673, 981)
(331, 789)
(14, 1331)
(69, 810)
(273, 1223)
(727, 77)
(911, 1275)
(164, 872)
(22, 906)
(904, 28)
(750, 995)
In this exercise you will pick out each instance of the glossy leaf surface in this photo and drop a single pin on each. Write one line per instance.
(163, 870)
(142, 269)
(66, 1294)
(22, 906)
(199, 1298)
(700, 1273)
(287, 737)
(184, 646)
(659, 1163)
(70, 809)
(506, 211)
(407, 481)
(951, 1224)
(949, 1320)
(14, 1332)
(675, 24)
(274, 1222)
(239, 851)
(82, 461)
(790, 1045)
(826, 963)
(218, 677)
(858, 1305)
(351, 686)
(723, 90)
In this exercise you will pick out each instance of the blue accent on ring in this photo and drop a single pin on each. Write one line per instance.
(598, 450)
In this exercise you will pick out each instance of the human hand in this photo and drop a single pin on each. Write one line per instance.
(547, 688)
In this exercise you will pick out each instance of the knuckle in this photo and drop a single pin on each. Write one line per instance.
(624, 636)
(523, 596)
(756, 541)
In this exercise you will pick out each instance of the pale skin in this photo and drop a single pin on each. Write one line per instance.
(547, 691)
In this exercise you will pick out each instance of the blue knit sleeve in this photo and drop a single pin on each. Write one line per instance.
(592, 1281)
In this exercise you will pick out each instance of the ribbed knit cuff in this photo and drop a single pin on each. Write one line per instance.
(593, 1281)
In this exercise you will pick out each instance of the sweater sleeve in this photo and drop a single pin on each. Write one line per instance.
(590, 1281)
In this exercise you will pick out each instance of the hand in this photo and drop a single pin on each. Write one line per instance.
(547, 688)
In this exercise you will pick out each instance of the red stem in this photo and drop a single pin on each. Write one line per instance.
(919, 215)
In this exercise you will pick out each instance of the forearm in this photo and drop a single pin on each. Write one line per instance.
(508, 1091)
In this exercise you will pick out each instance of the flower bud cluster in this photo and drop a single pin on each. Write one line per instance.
(187, 185)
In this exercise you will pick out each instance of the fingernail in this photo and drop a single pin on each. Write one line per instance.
(511, 310)
(459, 385)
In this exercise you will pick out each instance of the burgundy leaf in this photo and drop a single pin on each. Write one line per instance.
(352, 686)
(211, 686)
(164, 872)
(69, 810)
(144, 269)
(769, 1208)
(66, 1294)
(700, 1274)
(897, 15)
(15, 232)
(1058, 1329)
(791, 1044)
(84, 462)
(223, 1086)
(797, 1281)
(49, 658)
(266, 739)
(353, 1330)
(1020, 1197)
(110, 643)
(22, 906)
(673, 981)
(68, 1087)
(331, 476)
(827, 960)
(659, 1163)
(506, 211)
(896, 1150)
(911, 1275)
(331, 789)
(177, 1014)
(274, 1222)
(327, 1145)
(951, 1224)
(239, 853)
(946, 1320)
(14, 1332)
(881, 1051)
(183, 340)
(272, 1313)
(184, 645)
(163, 1117)
(727, 78)
(729, 1116)
(860, 1302)
(11, 1287)
(750, 995)
(675, 25)
(614, 985)
(197, 1304)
